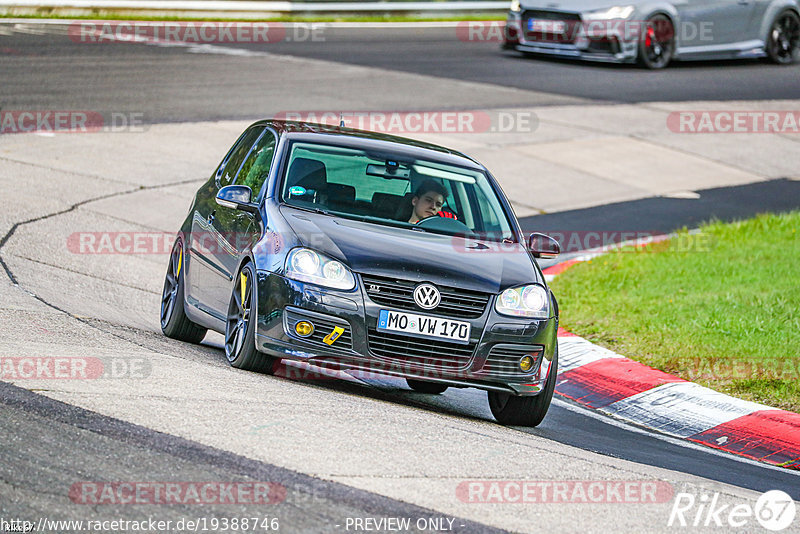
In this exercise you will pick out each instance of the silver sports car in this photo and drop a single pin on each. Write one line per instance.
(654, 32)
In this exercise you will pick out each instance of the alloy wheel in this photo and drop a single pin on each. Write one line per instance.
(658, 43)
(784, 38)
(169, 295)
(238, 316)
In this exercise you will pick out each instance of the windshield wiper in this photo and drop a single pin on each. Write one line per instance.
(315, 209)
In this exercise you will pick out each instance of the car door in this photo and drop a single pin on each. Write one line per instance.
(207, 275)
(236, 231)
(711, 23)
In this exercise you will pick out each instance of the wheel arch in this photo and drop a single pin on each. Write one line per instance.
(668, 10)
(775, 8)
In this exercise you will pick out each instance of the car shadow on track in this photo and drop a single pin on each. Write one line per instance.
(627, 67)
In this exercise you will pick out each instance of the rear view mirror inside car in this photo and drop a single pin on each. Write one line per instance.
(391, 170)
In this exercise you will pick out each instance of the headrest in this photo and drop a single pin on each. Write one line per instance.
(308, 173)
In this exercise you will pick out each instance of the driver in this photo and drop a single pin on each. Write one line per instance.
(427, 201)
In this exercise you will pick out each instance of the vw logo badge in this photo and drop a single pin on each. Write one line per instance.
(427, 296)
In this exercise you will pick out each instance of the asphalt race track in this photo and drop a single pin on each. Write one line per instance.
(223, 81)
(336, 450)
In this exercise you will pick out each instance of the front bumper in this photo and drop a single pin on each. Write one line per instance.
(488, 362)
(603, 41)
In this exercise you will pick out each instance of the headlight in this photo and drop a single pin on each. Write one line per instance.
(526, 301)
(515, 7)
(616, 12)
(308, 266)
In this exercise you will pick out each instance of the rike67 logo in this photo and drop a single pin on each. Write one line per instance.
(774, 510)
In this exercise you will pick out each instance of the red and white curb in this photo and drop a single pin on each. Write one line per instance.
(602, 380)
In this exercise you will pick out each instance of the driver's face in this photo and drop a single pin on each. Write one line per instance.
(428, 205)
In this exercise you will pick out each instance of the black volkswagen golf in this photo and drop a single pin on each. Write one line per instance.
(354, 250)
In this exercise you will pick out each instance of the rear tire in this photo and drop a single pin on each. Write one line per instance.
(657, 43)
(783, 41)
(524, 411)
(240, 326)
(174, 322)
(422, 386)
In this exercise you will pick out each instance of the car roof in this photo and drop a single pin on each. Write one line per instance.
(350, 137)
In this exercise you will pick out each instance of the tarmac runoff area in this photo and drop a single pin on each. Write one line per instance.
(71, 304)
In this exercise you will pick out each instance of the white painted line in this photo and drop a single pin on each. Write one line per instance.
(272, 6)
(334, 25)
(193, 48)
(574, 352)
(681, 409)
(625, 425)
(398, 25)
(686, 195)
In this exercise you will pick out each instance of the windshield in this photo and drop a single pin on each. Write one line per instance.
(379, 188)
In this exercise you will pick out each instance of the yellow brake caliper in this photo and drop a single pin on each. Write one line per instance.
(243, 285)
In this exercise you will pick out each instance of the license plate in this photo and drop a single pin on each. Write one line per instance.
(546, 26)
(424, 326)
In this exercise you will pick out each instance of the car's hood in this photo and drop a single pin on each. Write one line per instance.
(572, 6)
(387, 251)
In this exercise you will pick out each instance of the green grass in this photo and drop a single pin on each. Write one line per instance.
(719, 308)
(105, 15)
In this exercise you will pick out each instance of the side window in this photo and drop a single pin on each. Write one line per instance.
(255, 169)
(238, 155)
(490, 217)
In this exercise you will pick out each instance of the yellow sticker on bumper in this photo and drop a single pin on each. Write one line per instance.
(333, 336)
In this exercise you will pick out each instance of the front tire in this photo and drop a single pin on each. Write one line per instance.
(240, 326)
(657, 43)
(174, 322)
(422, 386)
(524, 411)
(783, 41)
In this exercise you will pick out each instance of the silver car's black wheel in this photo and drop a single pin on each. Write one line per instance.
(783, 41)
(240, 347)
(657, 43)
(422, 386)
(524, 411)
(174, 322)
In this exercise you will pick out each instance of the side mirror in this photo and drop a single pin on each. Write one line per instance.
(543, 246)
(237, 197)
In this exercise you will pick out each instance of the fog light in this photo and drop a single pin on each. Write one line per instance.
(304, 328)
(526, 364)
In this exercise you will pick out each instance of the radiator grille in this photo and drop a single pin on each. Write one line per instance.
(399, 294)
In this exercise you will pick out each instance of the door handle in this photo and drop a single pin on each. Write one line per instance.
(211, 217)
